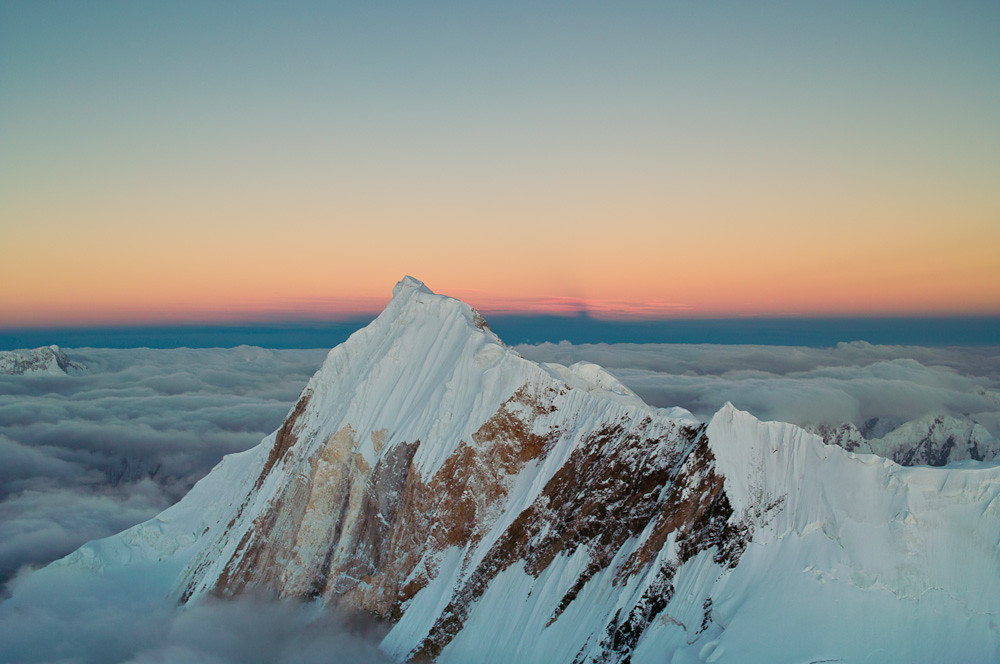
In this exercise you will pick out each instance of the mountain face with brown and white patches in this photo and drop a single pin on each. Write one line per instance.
(383, 480)
(486, 508)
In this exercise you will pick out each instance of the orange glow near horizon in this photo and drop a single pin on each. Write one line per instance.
(664, 263)
(663, 161)
(648, 259)
(733, 292)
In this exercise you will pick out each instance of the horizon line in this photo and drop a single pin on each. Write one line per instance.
(813, 331)
(566, 315)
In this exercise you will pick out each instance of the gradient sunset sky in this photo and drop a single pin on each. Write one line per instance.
(188, 161)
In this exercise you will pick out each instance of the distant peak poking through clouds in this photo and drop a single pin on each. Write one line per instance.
(48, 360)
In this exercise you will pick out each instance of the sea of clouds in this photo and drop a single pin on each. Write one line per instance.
(850, 382)
(89, 454)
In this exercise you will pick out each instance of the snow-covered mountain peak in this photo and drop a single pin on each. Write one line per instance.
(44, 361)
(934, 439)
(412, 301)
(408, 284)
(408, 376)
(491, 509)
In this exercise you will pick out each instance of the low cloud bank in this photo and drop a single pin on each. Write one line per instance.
(87, 455)
(851, 382)
(73, 617)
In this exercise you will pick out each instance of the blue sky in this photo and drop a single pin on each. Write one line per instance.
(204, 161)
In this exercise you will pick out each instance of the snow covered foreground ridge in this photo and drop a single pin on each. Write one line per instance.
(490, 509)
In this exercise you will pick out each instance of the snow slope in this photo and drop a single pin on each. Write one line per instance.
(490, 509)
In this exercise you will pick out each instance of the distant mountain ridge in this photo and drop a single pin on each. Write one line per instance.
(48, 360)
(487, 508)
(931, 440)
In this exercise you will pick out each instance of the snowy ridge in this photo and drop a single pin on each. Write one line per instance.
(491, 509)
(47, 361)
(931, 440)
(908, 550)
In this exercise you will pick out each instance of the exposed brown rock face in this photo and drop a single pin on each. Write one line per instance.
(285, 437)
(697, 513)
(372, 537)
(610, 490)
(346, 532)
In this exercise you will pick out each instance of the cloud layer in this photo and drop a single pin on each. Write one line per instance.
(72, 618)
(87, 455)
(851, 382)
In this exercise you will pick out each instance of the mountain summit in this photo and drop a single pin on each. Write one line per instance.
(490, 509)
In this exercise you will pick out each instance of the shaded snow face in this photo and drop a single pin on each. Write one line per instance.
(850, 383)
(86, 455)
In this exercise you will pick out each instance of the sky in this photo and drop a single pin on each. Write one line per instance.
(221, 161)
